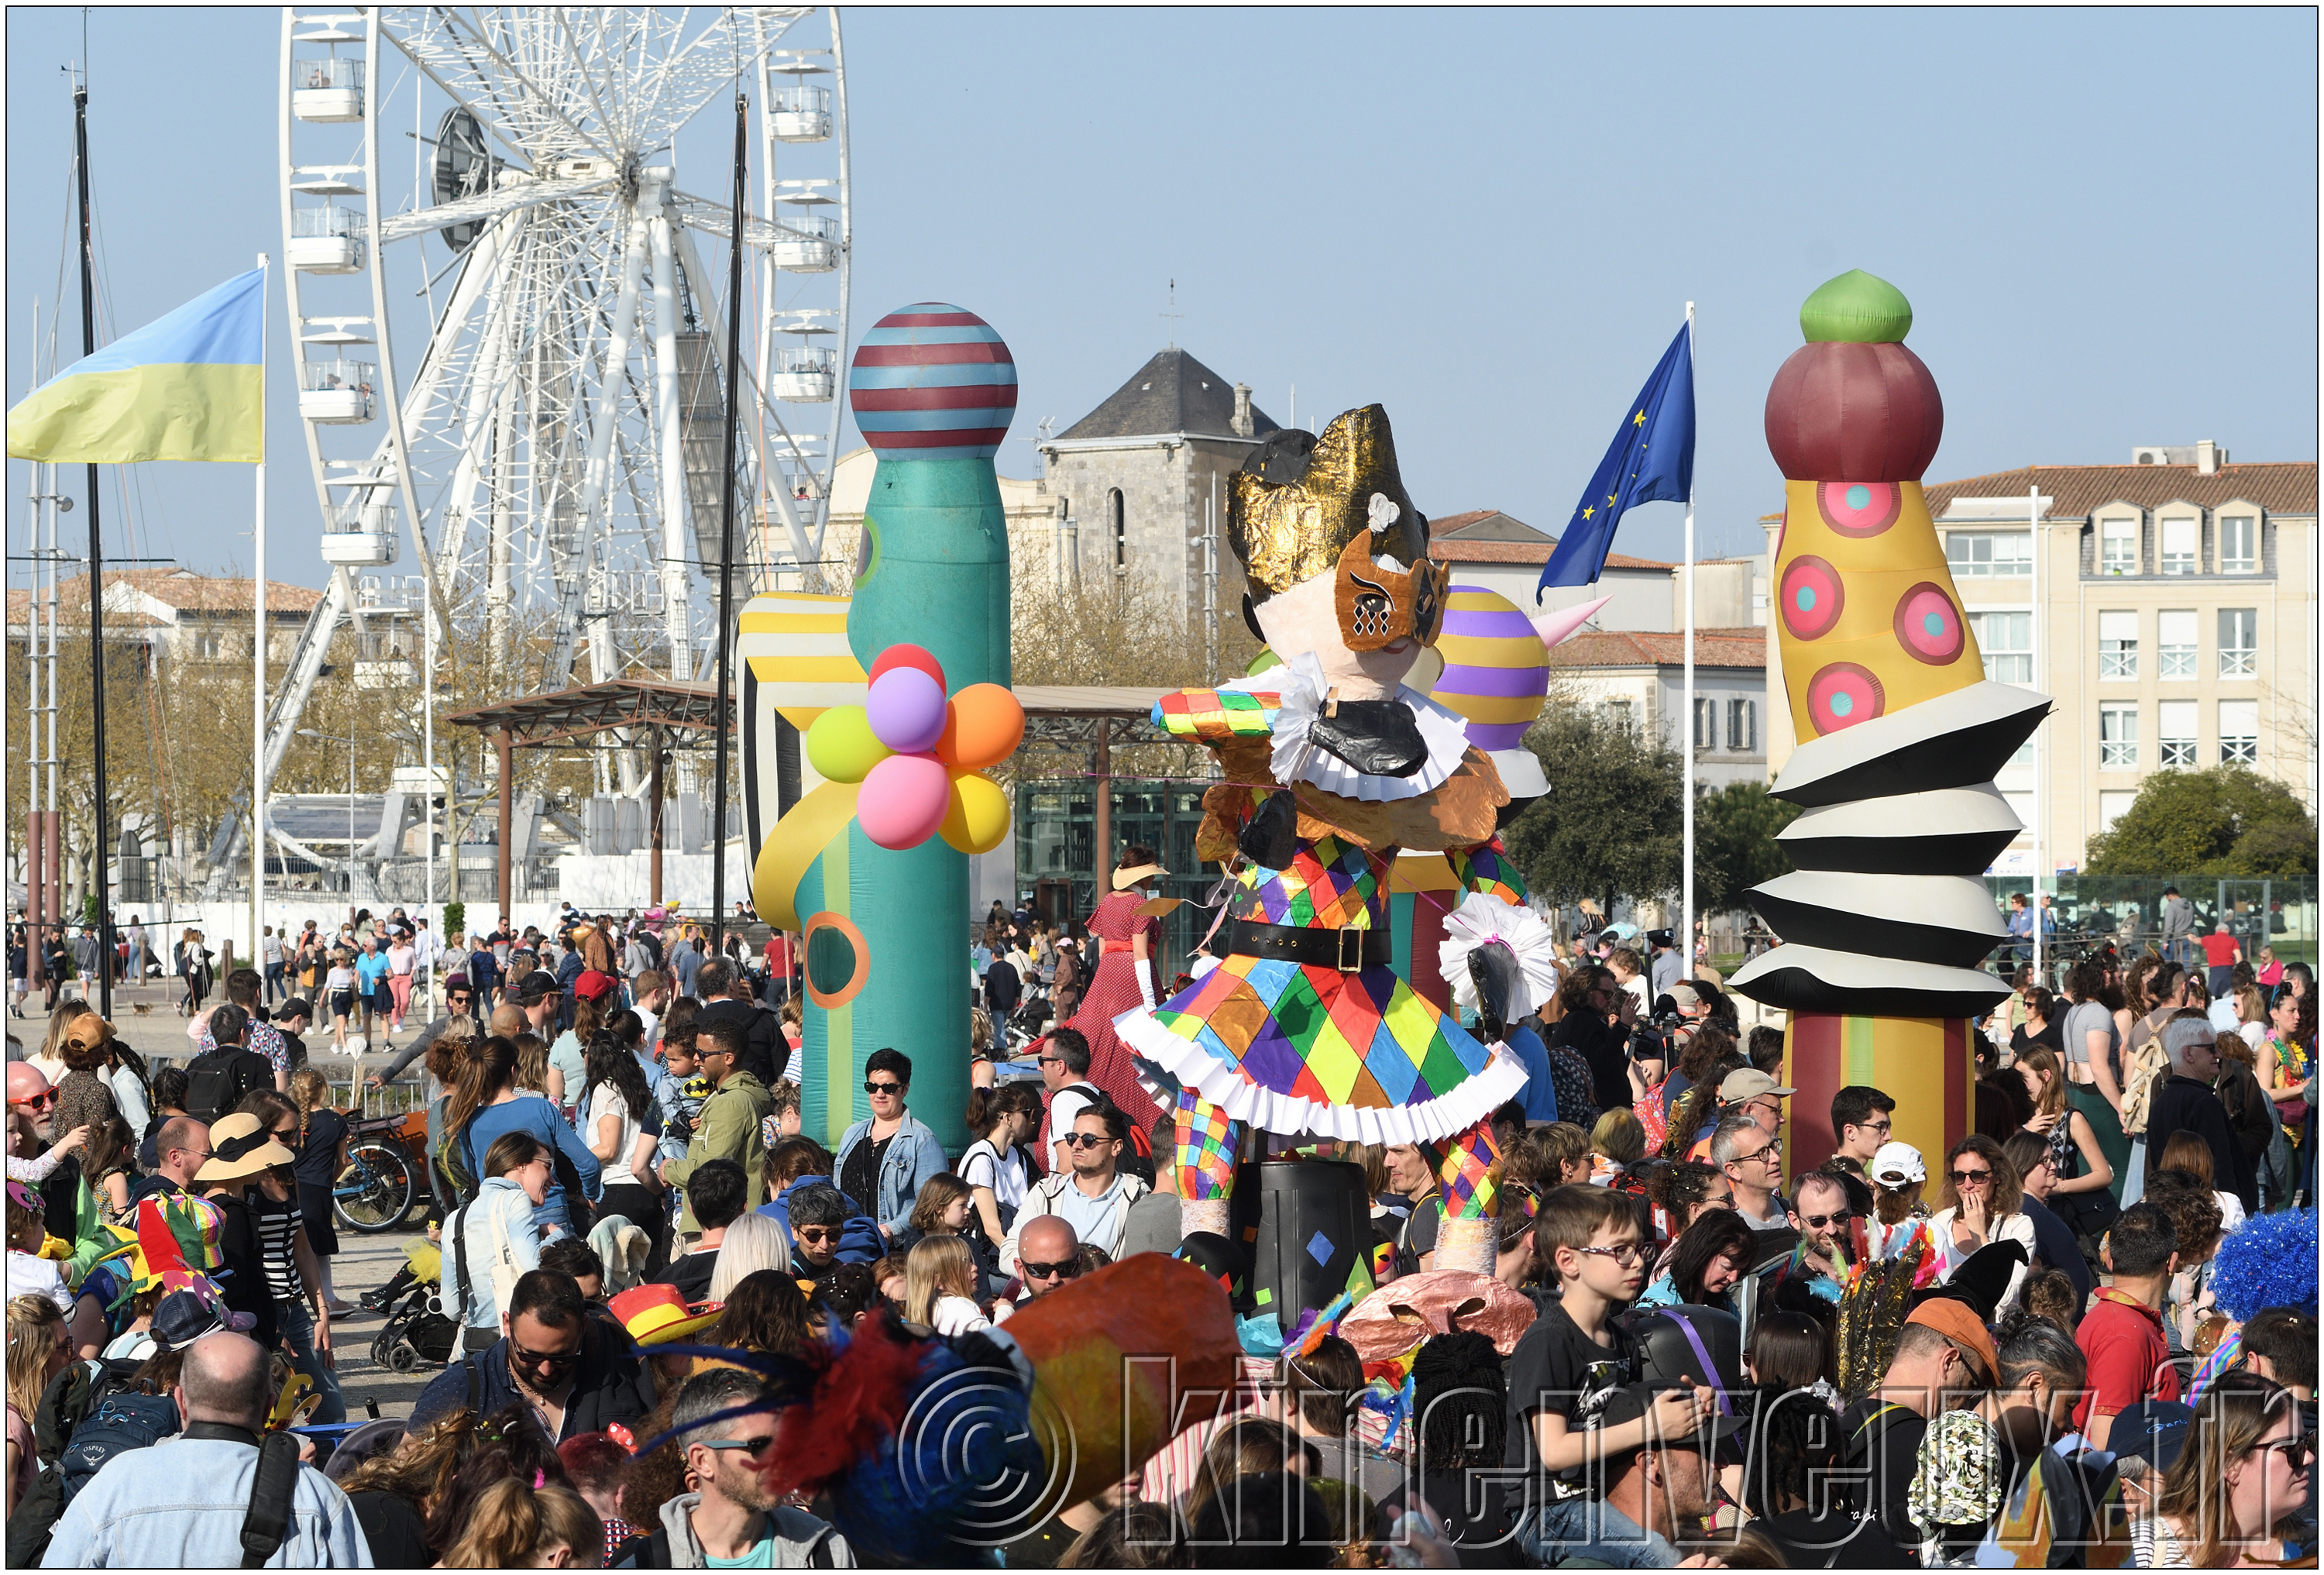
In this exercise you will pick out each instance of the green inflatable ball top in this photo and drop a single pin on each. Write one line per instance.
(1857, 308)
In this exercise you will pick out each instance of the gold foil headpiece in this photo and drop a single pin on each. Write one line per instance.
(1287, 524)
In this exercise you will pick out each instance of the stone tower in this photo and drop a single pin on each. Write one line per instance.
(1138, 475)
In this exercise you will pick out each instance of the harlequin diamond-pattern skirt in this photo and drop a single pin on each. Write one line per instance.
(1306, 1051)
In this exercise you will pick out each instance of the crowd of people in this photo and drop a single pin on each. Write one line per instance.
(2038, 1347)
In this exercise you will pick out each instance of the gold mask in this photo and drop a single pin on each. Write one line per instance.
(1292, 515)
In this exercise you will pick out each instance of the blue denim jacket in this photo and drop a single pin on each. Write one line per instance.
(913, 1156)
(180, 1505)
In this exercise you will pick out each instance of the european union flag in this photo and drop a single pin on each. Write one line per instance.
(1652, 461)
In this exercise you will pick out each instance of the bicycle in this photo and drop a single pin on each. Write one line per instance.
(381, 1182)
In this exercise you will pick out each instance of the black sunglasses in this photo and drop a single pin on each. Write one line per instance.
(1068, 1270)
(749, 1446)
(1083, 1139)
(1818, 1221)
(533, 1359)
(883, 1088)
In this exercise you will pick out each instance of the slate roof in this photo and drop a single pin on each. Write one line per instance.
(2280, 488)
(1625, 648)
(1173, 393)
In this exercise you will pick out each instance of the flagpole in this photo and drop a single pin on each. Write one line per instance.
(2033, 526)
(96, 588)
(1686, 896)
(258, 663)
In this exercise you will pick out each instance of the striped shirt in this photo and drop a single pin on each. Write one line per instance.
(278, 1226)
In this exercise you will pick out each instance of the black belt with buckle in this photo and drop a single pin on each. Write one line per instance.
(1346, 950)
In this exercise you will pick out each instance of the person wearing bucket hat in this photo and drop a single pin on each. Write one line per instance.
(242, 1149)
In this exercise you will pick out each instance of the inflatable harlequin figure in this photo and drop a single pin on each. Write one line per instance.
(1330, 764)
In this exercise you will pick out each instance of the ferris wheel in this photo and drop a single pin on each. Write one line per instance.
(555, 447)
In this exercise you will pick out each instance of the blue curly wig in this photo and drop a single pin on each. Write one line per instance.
(2270, 1262)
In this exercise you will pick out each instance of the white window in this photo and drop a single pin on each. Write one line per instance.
(2118, 547)
(1706, 723)
(1618, 714)
(1743, 725)
(2175, 732)
(2118, 645)
(1991, 555)
(2179, 538)
(2005, 640)
(209, 645)
(2238, 544)
(2238, 733)
(2118, 738)
(2239, 642)
(2175, 645)
(2112, 806)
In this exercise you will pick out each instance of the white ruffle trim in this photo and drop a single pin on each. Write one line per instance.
(1296, 758)
(1483, 920)
(1293, 1116)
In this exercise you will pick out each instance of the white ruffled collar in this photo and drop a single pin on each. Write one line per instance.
(1295, 757)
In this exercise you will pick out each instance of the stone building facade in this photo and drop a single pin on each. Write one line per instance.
(1140, 483)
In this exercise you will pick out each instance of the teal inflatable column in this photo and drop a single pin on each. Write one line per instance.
(932, 390)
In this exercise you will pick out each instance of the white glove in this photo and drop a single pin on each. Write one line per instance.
(1145, 971)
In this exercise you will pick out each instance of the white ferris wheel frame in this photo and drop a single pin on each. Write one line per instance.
(568, 174)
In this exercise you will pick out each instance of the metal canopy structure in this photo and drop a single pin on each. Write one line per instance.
(653, 707)
(1077, 716)
(540, 721)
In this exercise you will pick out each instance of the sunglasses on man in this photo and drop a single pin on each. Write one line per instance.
(1070, 1268)
(534, 1358)
(1818, 1221)
(752, 1447)
(40, 1102)
(1083, 1139)
(817, 1234)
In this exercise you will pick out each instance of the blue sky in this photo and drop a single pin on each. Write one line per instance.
(1488, 221)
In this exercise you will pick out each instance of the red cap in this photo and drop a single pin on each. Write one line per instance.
(595, 986)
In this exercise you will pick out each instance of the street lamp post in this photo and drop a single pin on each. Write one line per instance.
(350, 742)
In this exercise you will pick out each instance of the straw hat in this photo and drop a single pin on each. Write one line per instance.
(659, 1315)
(1123, 880)
(240, 1147)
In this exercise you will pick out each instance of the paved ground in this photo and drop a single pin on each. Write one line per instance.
(363, 1262)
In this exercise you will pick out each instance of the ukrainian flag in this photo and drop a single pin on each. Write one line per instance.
(188, 386)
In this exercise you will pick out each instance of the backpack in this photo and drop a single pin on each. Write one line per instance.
(217, 1079)
(69, 1400)
(120, 1422)
(2150, 1064)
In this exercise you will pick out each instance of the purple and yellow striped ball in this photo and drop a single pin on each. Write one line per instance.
(1496, 668)
(931, 382)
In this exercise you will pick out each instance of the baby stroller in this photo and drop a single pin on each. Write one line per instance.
(417, 1328)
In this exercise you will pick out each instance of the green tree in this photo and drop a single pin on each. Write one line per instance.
(1735, 846)
(2226, 821)
(1610, 823)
